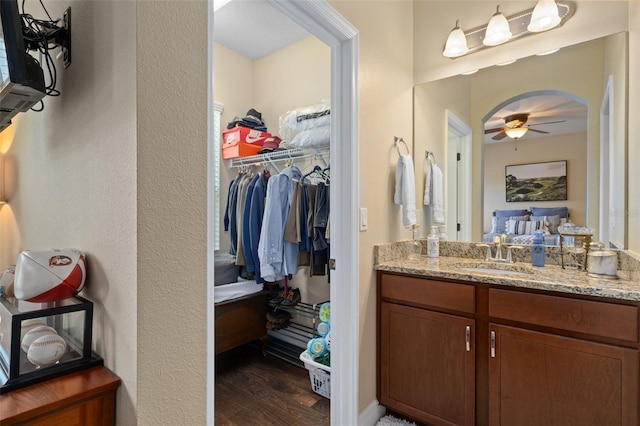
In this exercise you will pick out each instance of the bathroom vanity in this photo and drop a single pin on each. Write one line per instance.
(459, 345)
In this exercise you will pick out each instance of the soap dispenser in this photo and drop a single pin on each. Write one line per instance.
(433, 241)
(537, 250)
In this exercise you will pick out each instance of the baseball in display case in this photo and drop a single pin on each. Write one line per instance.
(39, 341)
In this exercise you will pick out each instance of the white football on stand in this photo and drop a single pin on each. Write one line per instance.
(49, 275)
(46, 350)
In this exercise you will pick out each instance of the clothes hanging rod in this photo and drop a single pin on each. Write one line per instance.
(285, 155)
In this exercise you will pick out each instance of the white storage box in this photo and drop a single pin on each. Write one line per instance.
(319, 374)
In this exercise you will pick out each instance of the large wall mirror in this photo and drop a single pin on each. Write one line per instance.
(574, 101)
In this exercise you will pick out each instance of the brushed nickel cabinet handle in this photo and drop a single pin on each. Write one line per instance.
(468, 338)
(493, 344)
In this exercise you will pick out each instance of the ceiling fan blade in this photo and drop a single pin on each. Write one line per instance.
(497, 129)
(499, 136)
(537, 131)
(548, 122)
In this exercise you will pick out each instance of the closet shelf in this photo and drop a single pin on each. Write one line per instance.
(277, 157)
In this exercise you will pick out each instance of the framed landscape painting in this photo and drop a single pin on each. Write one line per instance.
(537, 181)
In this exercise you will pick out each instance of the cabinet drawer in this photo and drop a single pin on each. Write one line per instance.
(582, 316)
(426, 292)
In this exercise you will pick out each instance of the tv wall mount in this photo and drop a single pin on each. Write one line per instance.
(48, 35)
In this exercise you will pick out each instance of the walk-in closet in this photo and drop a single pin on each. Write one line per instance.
(272, 272)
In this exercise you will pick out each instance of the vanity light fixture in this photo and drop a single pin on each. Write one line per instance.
(501, 29)
(498, 30)
(456, 43)
(544, 17)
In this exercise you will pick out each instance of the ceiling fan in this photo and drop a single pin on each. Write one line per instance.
(516, 121)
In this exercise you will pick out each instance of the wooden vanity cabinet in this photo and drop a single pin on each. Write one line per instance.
(426, 351)
(533, 357)
(567, 376)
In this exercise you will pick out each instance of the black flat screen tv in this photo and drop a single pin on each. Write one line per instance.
(21, 76)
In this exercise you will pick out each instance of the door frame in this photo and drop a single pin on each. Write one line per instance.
(320, 19)
(460, 173)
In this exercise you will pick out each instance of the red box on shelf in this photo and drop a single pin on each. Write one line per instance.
(242, 142)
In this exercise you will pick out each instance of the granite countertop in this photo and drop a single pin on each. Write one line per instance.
(550, 277)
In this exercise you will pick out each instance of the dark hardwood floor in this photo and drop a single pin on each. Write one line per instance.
(252, 389)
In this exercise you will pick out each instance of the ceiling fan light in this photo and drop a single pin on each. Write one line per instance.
(456, 43)
(545, 16)
(497, 31)
(516, 132)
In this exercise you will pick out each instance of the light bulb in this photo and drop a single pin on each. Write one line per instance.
(456, 43)
(498, 30)
(544, 16)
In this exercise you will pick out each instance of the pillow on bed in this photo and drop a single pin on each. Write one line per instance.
(552, 222)
(525, 227)
(550, 211)
(507, 213)
(499, 224)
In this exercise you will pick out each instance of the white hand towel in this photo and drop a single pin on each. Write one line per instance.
(437, 194)
(405, 191)
(427, 183)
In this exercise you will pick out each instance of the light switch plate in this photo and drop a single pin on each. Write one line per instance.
(363, 219)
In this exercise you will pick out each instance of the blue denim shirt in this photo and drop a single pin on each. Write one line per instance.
(278, 259)
(256, 213)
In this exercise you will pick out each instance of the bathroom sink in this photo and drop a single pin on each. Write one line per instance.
(493, 268)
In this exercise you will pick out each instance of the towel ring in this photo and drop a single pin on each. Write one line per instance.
(397, 141)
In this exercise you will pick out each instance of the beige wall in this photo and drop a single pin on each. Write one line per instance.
(385, 110)
(172, 212)
(71, 177)
(233, 88)
(633, 148)
(304, 66)
(431, 101)
(571, 147)
(615, 66)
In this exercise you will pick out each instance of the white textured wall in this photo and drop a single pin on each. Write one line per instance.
(72, 176)
(172, 211)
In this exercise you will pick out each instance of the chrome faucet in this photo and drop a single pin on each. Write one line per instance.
(497, 242)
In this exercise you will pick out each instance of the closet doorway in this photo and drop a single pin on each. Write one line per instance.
(322, 21)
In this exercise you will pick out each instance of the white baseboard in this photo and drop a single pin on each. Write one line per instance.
(371, 414)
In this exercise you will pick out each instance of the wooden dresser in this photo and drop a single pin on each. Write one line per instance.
(85, 398)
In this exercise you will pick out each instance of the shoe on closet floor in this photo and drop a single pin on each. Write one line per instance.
(277, 298)
(293, 297)
(277, 318)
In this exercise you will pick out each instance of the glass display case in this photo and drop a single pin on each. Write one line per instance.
(39, 341)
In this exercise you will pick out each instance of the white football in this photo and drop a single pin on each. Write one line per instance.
(46, 350)
(49, 275)
(34, 334)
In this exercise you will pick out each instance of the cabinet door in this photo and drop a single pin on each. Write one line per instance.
(542, 379)
(427, 365)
